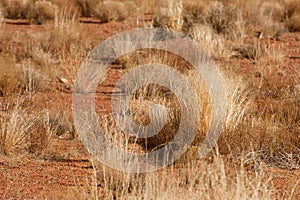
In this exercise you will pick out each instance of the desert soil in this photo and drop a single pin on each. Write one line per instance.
(66, 168)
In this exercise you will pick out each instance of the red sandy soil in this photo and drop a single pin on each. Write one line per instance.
(66, 164)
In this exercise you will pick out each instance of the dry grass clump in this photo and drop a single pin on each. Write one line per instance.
(22, 133)
(59, 48)
(221, 18)
(148, 95)
(16, 9)
(13, 132)
(86, 6)
(16, 46)
(169, 15)
(283, 160)
(10, 76)
(293, 23)
(27, 132)
(292, 15)
(45, 126)
(213, 44)
(113, 10)
(17, 78)
(259, 110)
(193, 180)
(106, 10)
(233, 19)
(267, 108)
(264, 53)
(253, 51)
(42, 12)
(36, 11)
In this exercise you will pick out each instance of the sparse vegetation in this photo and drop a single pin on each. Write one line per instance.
(23, 133)
(254, 43)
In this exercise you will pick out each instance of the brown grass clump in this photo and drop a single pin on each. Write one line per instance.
(291, 15)
(267, 113)
(293, 23)
(169, 15)
(262, 52)
(106, 10)
(44, 127)
(27, 132)
(221, 18)
(16, 9)
(254, 51)
(113, 10)
(191, 180)
(10, 76)
(13, 132)
(20, 133)
(213, 44)
(18, 78)
(147, 95)
(86, 6)
(42, 12)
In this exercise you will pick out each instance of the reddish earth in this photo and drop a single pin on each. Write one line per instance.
(66, 164)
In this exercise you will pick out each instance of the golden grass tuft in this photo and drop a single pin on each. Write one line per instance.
(16, 9)
(21, 134)
(113, 10)
(291, 10)
(169, 15)
(192, 180)
(29, 132)
(42, 12)
(20, 78)
(265, 112)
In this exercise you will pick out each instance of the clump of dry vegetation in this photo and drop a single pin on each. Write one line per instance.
(262, 108)
(27, 132)
(43, 11)
(17, 78)
(196, 179)
(16, 9)
(113, 10)
(291, 15)
(20, 132)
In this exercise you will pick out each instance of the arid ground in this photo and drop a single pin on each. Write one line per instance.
(254, 44)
